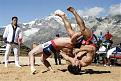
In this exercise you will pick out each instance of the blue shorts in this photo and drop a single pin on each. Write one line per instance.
(48, 48)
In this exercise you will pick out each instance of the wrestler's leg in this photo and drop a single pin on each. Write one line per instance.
(45, 62)
(83, 29)
(37, 50)
(66, 24)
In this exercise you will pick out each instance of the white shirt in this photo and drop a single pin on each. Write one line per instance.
(8, 33)
(102, 48)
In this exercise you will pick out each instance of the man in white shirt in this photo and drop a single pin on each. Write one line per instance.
(13, 37)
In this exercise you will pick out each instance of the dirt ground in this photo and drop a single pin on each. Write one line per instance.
(94, 73)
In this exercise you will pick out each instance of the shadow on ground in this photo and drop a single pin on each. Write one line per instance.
(87, 71)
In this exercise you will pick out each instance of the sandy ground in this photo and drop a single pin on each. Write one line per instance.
(98, 73)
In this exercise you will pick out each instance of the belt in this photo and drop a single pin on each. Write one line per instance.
(12, 43)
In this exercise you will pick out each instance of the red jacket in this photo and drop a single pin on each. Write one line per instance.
(108, 36)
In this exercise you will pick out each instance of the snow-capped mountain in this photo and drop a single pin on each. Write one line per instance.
(44, 29)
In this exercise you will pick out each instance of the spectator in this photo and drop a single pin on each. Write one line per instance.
(101, 37)
(108, 40)
(57, 56)
(108, 36)
(13, 37)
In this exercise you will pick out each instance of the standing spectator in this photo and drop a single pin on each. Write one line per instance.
(94, 37)
(108, 36)
(57, 56)
(95, 40)
(13, 37)
(108, 40)
(101, 37)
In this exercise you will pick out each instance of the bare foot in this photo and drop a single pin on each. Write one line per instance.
(48, 70)
(59, 13)
(53, 71)
(33, 71)
(71, 9)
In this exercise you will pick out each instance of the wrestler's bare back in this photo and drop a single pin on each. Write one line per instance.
(63, 42)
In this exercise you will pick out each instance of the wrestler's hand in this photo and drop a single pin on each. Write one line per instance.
(76, 62)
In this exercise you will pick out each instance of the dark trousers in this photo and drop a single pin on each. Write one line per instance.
(57, 58)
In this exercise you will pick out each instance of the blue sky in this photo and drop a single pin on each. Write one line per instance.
(28, 10)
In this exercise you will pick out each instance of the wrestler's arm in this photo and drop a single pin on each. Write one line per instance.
(66, 57)
(80, 54)
(63, 54)
(88, 48)
(75, 37)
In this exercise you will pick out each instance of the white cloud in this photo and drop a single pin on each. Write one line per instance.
(95, 11)
(115, 9)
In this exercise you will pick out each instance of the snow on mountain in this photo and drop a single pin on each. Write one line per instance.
(31, 31)
(30, 23)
